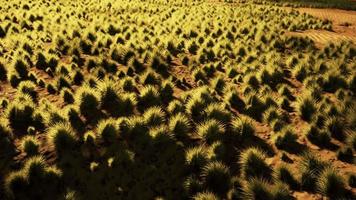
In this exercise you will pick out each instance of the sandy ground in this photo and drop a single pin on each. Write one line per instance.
(344, 25)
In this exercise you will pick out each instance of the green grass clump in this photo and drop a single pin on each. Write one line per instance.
(253, 164)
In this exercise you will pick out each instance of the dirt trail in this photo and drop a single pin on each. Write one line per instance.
(344, 25)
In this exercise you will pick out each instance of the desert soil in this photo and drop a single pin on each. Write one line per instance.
(343, 29)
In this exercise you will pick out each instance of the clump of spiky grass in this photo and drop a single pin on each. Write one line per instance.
(109, 97)
(30, 145)
(35, 173)
(192, 185)
(345, 154)
(166, 91)
(310, 169)
(216, 178)
(205, 196)
(286, 139)
(331, 184)
(317, 136)
(180, 126)
(20, 113)
(281, 191)
(197, 158)
(218, 112)
(211, 131)
(175, 107)
(107, 130)
(306, 108)
(149, 97)
(88, 102)
(234, 100)
(351, 179)
(253, 164)
(283, 174)
(256, 189)
(3, 72)
(154, 116)
(336, 128)
(241, 129)
(67, 96)
(62, 137)
(351, 140)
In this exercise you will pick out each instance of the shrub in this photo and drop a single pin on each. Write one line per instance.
(179, 125)
(253, 164)
(30, 145)
(216, 178)
(256, 189)
(107, 131)
(331, 184)
(211, 131)
(62, 137)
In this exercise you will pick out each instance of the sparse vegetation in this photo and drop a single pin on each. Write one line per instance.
(170, 99)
